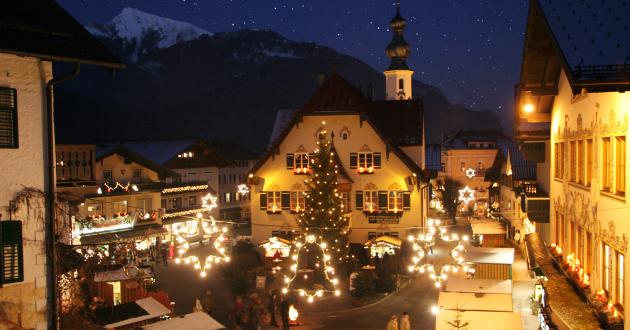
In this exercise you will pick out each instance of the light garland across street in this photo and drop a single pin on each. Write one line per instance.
(328, 270)
(209, 228)
(423, 243)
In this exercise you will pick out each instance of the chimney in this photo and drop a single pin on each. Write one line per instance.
(370, 92)
(321, 78)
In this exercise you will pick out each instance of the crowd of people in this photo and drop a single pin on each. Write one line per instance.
(250, 313)
(399, 323)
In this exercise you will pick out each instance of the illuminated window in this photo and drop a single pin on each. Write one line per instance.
(395, 201)
(297, 201)
(621, 279)
(300, 161)
(580, 162)
(274, 201)
(620, 164)
(607, 162)
(366, 160)
(145, 204)
(192, 200)
(228, 197)
(371, 200)
(606, 267)
(573, 161)
(559, 160)
(589, 161)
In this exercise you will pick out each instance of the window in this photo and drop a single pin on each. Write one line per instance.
(366, 160)
(621, 279)
(606, 267)
(297, 201)
(462, 165)
(192, 200)
(94, 208)
(559, 160)
(274, 203)
(573, 161)
(107, 176)
(580, 162)
(11, 253)
(401, 84)
(301, 162)
(371, 235)
(228, 197)
(589, 253)
(607, 162)
(163, 203)
(395, 201)
(620, 164)
(120, 206)
(580, 244)
(145, 205)
(137, 174)
(589, 162)
(8, 118)
(371, 200)
(571, 237)
(176, 203)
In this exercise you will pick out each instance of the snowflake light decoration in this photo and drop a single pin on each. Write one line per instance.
(466, 195)
(328, 271)
(470, 173)
(209, 228)
(423, 243)
(242, 189)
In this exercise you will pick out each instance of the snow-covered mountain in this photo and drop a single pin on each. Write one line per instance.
(140, 32)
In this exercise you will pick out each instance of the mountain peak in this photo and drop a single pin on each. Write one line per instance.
(143, 31)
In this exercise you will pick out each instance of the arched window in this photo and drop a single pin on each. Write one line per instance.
(401, 84)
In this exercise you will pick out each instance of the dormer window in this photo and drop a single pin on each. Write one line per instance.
(298, 162)
(365, 162)
(188, 154)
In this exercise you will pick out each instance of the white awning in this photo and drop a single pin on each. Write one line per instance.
(456, 284)
(493, 302)
(484, 255)
(153, 307)
(192, 321)
(480, 320)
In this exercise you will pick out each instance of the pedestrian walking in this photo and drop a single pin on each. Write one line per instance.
(257, 312)
(404, 322)
(393, 323)
(284, 312)
(208, 302)
(197, 307)
(239, 319)
(272, 305)
(165, 254)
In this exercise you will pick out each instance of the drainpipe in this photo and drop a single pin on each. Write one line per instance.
(51, 253)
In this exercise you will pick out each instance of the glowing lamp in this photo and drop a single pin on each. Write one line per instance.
(528, 108)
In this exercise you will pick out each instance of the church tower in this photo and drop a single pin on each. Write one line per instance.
(398, 74)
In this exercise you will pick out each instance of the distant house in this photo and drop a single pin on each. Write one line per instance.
(33, 35)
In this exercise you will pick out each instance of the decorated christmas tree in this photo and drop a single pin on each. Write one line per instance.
(323, 212)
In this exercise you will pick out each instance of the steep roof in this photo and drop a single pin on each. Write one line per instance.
(106, 151)
(43, 29)
(399, 123)
(232, 151)
(522, 169)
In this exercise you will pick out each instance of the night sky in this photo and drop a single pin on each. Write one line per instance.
(470, 49)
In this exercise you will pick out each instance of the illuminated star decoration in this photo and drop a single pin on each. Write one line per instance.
(329, 270)
(209, 229)
(466, 195)
(423, 242)
(470, 173)
(242, 189)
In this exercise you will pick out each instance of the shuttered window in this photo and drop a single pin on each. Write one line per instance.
(382, 200)
(377, 160)
(263, 201)
(359, 200)
(8, 118)
(406, 200)
(353, 160)
(290, 161)
(286, 200)
(11, 253)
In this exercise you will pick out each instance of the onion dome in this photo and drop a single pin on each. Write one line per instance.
(398, 49)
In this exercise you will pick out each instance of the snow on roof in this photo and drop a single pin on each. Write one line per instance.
(456, 284)
(283, 118)
(467, 301)
(153, 307)
(484, 255)
(487, 227)
(480, 320)
(192, 321)
(119, 275)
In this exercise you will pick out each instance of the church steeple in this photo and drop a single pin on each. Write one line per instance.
(398, 74)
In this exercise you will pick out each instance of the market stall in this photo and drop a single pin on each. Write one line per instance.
(489, 233)
(456, 284)
(119, 286)
(131, 315)
(493, 302)
(479, 320)
(491, 263)
(383, 245)
(276, 248)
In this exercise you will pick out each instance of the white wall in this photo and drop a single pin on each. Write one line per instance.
(25, 167)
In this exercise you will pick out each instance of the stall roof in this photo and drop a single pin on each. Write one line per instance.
(387, 239)
(480, 320)
(192, 321)
(145, 309)
(467, 301)
(487, 228)
(120, 275)
(125, 235)
(280, 239)
(484, 255)
(455, 284)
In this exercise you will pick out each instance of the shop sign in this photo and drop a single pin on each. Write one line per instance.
(385, 218)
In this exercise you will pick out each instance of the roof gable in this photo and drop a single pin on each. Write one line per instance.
(128, 155)
(336, 94)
